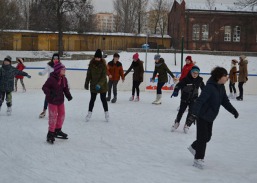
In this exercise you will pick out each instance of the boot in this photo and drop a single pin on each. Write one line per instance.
(50, 137)
(107, 117)
(88, 117)
(158, 101)
(131, 98)
(175, 125)
(198, 163)
(186, 128)
(114, 100)
(9, 111)
(239, 98)
(60, 134)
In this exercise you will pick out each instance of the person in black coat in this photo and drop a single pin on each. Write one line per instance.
(189, 87)
(206, 109)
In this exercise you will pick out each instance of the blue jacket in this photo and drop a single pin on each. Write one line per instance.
(207, 105)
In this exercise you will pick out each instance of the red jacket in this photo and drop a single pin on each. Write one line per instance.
(116, 70)
(20, 67)
(185, 70)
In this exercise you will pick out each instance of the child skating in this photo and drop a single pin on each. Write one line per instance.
(20, 66)
(232, 79)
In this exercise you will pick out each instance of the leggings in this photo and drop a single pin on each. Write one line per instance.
(92, 101)
(232, 87)
(241, 90)
(135, 86)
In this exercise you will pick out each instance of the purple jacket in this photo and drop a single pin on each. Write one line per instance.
(55, 88)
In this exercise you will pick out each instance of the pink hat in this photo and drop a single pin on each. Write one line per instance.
(135, 56)
(189, 58)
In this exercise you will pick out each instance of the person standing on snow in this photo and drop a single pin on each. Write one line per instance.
(20, 66)
(96, 77)
(205, 111)
(189, 87)
(232, 79)
(114, 72)
(162, 69)
(138, 76)
(243, 75)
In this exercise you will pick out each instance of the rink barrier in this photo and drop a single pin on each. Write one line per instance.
(76, 78)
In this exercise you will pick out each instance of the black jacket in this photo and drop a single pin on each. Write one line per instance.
(207, 105)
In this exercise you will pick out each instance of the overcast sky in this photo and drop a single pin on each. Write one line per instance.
(107, 5)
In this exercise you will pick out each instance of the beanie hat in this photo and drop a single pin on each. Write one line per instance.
(116, 55)
(135, 56)
(98, 54)
(20, 60)
(157, 57)
(56, 56)
(195, 69)
(58, 67)
(189, 58)
(8, 58)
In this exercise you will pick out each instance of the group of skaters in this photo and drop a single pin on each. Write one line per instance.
(202, 109)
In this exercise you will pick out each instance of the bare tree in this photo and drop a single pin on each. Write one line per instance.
(246, 3)
(141, 13)
(210, 4)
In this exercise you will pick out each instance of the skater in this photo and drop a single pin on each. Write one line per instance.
(138, 76)
(243, 75)
(187, 67)
(162, 70)
(189, 87)
(20, 66)
(206, 109)
(96, 76)
(47, 70)
(114, 72)
(7, 74)
(232, 79)
(55, 88)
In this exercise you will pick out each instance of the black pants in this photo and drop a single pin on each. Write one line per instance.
(182, 108)
(241, 90)
(159, 87)
(114, 85)
(203, 135)
(92, 101)
(7, 96)
(135, 86)
(232, 87)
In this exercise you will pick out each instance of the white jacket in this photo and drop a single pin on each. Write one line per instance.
(48, 69)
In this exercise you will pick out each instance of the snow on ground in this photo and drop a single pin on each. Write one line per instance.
(136, 146)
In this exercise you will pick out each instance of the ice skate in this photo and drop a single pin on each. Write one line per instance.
(114, 100)
(131, 98)
(50, 137)
(186, 128)
(239, 98)
(60, 134)
(107, 117)
(158, 99)
(198, 163)
(191, 149)
(174, 126)
(42, 114)
(9, 111)
(88, 117)
(136, 99)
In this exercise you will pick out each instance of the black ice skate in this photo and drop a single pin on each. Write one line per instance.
(50, 137)
(59, 134)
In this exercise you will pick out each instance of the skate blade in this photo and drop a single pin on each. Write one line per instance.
(61, 137)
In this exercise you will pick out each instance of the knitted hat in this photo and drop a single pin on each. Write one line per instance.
(98, 54)
(116, 55)
(8, 58)
(195, 69)
(157, 57)
(189, 58)
(135, 56)
(58, 67)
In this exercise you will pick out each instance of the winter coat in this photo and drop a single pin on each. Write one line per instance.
(243, 72)
(116, 70)
(162, 69)
(207, 105)
(185, 70)
(189, 87)
(7, 74)
(55, 88)
(138, 68)
(96, 75)
(20, 67)
(232, 74)
(48, 69)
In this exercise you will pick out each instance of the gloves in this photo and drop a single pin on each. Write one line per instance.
(28, 76)
(152, 80)
(191, 119)
(69, 98)
(40, 74)
(86, 86)
(174, 94)
(236, 114)
(97, 87)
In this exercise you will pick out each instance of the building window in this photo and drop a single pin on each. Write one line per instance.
(227, 33)
(205, 32)
(236, 34)
(196, 32)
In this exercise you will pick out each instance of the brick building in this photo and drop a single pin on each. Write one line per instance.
(215, 30)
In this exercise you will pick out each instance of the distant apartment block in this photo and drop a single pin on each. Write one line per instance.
(105, 22)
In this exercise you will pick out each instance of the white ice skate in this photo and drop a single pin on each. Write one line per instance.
(88, 117)
(174, 126)
(42, 114)
(191, 149)
(136, 99)
(107, 117)
(198, 163)
(9, 111)
(186, 128)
